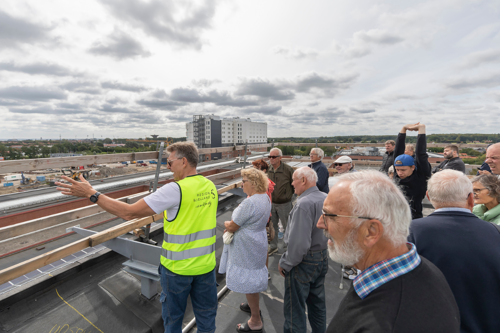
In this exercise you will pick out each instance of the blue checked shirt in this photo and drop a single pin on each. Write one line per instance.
(385, 271)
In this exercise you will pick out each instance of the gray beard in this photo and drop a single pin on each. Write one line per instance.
(348, 253)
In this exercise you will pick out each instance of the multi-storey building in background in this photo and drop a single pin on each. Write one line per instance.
(210, 131)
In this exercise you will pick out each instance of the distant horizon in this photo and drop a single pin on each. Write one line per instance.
(276, 137)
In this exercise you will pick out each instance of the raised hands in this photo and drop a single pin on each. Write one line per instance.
(81, 189)
(414, 127)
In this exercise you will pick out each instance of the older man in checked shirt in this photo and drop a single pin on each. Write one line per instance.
(366, 218)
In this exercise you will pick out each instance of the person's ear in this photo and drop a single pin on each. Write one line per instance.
(372, 231)
(470, 201)
(427, 195)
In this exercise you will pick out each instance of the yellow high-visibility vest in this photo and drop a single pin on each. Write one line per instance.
(189, 238)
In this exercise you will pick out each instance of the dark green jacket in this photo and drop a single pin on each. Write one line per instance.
(282, 177)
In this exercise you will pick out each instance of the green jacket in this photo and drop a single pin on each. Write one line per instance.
(282, 177)
(492, 215)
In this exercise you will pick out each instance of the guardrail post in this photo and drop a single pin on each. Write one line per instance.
(245, 157)
(158, 166)
(155, 186)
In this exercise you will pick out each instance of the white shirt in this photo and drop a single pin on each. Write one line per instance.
(167, 197)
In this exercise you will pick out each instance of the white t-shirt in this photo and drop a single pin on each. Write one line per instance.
(167, 197)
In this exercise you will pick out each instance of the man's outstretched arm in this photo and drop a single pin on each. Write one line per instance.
(401, 140)
(126, 211)
(421, 157)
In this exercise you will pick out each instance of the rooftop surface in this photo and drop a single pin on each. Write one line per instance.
(98, 296)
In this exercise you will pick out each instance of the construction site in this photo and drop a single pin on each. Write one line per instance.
(66, 265)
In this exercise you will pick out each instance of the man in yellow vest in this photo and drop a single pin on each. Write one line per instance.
(187, 264)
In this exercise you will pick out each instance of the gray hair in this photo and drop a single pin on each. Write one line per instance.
(391, 169)
(491, 183)
(278, 150)
(375, 195)
(185, 149)
(449, 188)
(318, 151)
(307, 173)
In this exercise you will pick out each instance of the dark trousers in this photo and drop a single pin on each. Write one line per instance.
(176, 289)
(305, 285)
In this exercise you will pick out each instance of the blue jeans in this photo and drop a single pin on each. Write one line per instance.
(305, 285)
(176, 289)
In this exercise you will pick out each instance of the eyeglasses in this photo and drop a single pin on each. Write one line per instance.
(270, 156)
(477, 190)
(338, 164)
(169, 162)
(335, 215)
(313, 154)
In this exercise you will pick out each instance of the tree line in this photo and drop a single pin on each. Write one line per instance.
(36, 150)
(437, 138)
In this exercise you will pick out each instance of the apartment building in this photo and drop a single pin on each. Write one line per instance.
(210, 131)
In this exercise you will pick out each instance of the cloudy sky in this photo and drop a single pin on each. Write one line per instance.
(118, 68)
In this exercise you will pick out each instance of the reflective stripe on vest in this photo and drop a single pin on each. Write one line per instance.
(189, 238)
(188, 254)
(182, 239)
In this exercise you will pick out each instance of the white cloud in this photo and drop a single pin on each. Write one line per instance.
(131, 68)
(295, 53)
(377, 36)
(477, 59)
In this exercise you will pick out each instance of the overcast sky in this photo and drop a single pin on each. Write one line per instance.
(117, 68)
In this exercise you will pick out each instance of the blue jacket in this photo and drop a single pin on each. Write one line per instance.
(467, 250)
(483, 167)
(323, 175)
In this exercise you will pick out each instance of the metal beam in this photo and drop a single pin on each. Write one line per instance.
(96, 239)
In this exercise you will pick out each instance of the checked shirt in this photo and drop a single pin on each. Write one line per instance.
(385, 271)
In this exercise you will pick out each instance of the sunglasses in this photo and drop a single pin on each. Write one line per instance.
(169, 162)
(338, 164)
(270, 156)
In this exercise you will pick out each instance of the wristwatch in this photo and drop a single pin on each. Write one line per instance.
(94, 197)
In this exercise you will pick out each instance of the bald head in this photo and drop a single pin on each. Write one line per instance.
(493, 158)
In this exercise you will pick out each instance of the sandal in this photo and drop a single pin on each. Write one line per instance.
(244, 327)
(246, 308)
